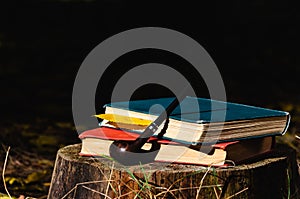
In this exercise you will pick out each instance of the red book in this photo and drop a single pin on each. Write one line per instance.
(96, 142)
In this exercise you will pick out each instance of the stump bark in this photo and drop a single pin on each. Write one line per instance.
(275, 176)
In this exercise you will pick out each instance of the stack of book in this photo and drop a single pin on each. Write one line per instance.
(213, 133)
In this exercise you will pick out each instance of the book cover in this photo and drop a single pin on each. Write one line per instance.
(186, 110)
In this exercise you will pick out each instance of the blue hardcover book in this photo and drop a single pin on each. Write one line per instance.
(200, 120)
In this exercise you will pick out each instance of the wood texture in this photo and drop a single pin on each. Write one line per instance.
(275, 176)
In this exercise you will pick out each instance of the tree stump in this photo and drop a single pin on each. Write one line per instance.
(76, 177)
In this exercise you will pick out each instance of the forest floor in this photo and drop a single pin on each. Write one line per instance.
(32, 153)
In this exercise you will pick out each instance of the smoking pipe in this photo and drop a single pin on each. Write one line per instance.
(130, 152)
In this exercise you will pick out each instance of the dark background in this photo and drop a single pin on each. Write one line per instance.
(255, 45)
(42, 44)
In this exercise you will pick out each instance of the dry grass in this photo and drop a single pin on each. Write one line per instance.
(3, 172)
